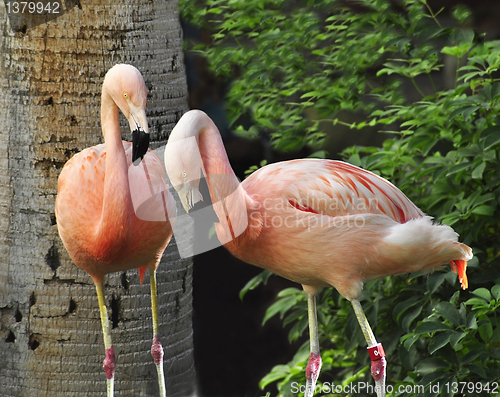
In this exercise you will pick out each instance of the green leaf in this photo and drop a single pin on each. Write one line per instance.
(465, 111)
(455, 338)
(471, 356)
(485, 328)
(260, 278)
(430, 365)
(430, 326)
(401, 307)
(449, 312)
(375, 159)
(295, 315)
(471, 322)
(458, 168)
(492, 139)
(214, 10)
(320, 154)
(432, 378)
(463, 37)
(410, 316)
(477, 173)
(454, 51)
(292, 291)
(311, 94)
(287, 299)
(298, 329)
(495, 291)
(440, 340)
(483, 293)
(477, 303)
(429, 145)
(484, 210)
(408, 343)
(265, 122)
(478, 370)
(434, 281)
(277, 372)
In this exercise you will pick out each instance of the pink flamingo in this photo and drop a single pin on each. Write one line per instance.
(316, 222)
(97, 192)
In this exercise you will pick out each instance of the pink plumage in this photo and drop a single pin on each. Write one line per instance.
(132, 244)
(316, 222)
(331, 223)
(100, 198)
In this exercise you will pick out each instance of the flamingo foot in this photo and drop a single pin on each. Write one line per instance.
(157, 353)
(378, 368)
(109, 369)
(312, 373)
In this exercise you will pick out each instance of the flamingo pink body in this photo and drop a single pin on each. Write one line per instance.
(316, 222)
(98, 192)
(328, 223)
(102, 243)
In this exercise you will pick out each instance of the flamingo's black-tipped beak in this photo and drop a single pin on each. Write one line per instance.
(140, 145)
(196, 201)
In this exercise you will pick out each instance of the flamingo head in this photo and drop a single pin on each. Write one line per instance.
(126, 86)
(184, 177)
(184, 164)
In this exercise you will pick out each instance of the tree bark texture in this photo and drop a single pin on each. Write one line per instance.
(51, 76)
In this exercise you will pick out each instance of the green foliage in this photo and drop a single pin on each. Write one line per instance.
(293, 67)
(261, 278)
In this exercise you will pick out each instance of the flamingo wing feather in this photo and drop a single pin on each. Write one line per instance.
(335, 188)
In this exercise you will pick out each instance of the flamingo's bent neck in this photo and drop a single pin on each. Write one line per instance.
(232, 204)
(116, 197)
(197, 148)
(221, 178)
(211, 154)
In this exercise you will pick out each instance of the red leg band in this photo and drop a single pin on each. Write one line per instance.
(377, 355)
(376, 352)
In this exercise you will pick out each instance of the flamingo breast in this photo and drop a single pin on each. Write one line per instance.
(79, 208)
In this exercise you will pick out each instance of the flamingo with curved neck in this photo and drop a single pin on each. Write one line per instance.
(316, 222)
(95, 205)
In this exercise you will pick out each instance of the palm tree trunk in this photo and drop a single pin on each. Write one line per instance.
(51, 76)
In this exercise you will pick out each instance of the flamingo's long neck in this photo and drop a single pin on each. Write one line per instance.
(213, 153)
(231, 202)
(195, 143)
(115, 216)
(221, 178)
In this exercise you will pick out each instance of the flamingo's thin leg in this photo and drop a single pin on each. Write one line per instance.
(156, 348)
(377, 355)
(109, 361)
(314, 364)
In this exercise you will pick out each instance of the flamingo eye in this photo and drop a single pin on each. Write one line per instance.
(184, 174)
(125, 95)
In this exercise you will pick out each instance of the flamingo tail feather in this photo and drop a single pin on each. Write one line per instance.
(142, 272)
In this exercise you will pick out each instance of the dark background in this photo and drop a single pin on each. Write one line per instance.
(233, 351)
